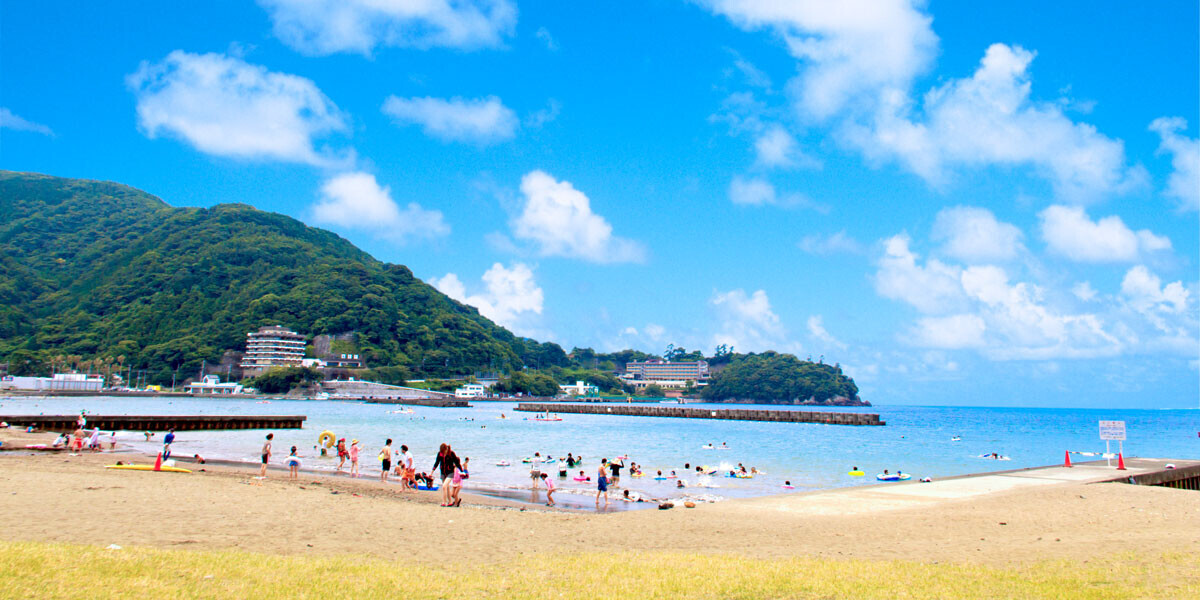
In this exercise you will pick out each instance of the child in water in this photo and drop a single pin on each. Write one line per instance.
(354, 458)
(549, 490)
(293, 463)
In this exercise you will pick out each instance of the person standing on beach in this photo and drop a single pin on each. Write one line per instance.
(266, 454)
(602, 482)
(448, 461)
(354, 458)
(167, 441)
(408, 474)
(385, 459)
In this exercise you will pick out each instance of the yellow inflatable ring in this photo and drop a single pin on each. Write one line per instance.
(326, 439)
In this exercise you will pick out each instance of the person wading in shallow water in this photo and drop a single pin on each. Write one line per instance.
(602, 482)
(448, 461)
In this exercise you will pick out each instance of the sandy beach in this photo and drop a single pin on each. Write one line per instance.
(51, 496)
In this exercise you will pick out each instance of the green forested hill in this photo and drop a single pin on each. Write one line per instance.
(775, 378)
(101, 270)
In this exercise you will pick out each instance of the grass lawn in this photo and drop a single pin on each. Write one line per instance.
(51, 570)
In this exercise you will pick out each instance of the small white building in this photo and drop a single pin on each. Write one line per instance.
(76, 382)
(470, 390)
(211, 384)
(579, 389)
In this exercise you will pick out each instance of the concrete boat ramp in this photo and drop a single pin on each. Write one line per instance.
(871, 498)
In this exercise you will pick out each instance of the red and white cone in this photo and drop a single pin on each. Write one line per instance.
(158, 462)
(1067, 461)
(1120, 462)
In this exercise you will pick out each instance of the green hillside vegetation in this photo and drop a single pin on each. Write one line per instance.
(104, 275)
(774, 378)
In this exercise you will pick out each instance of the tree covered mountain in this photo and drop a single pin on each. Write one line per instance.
(775, 378)
(101, 271)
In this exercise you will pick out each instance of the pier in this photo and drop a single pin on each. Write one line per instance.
(158, 422)
(735, 414)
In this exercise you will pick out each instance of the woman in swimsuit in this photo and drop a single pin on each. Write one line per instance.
(602, 482)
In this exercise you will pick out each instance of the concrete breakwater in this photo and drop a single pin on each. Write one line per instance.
(157, 422)
(431, 402)
(736, 414)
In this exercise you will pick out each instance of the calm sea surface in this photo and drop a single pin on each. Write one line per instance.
(916, 439)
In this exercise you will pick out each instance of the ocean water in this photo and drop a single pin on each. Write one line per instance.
(916, 439)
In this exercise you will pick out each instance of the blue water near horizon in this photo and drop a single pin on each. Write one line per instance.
(916, 439)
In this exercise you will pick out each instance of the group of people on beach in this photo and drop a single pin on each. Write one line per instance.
(400, 463)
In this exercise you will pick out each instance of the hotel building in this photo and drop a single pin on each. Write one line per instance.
(652, 370)
(271, 347)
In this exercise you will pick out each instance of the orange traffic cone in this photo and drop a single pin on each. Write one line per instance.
(1067, 462)
(1120, 462)
(158, 462)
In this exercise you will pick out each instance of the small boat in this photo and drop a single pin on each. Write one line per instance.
(504, 463)
(956, 439)
(893, 477)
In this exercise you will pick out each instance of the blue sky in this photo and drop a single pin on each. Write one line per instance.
(961, 203)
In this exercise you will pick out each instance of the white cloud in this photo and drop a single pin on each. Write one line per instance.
(1146, 294)
(1084, 291)
(816, 328)
(753, 76)
(931, 288)
(481, 121)
(655, 332)
(990, 119)
(1025, 326)
(227, 107)
(949, 332)
(853, 51)
(747, 322)
(857, 61)
(1069, 232)
(756, 191)
(979, 307)
(544, 35)
(355, 200)
(539, 118)
(825, 245)
(330, 26)
(509, 296)
(1184, 183)
(559, 220)
(775, 147)
(10, 121)
(973, 234)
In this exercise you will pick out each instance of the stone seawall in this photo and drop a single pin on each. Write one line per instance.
(736, 414)
(157, 422)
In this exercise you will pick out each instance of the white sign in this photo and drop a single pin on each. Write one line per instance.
(1112, 430)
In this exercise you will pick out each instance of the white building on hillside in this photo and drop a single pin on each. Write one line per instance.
(579, 389)
(211, 384)
(271, 347)
(470, 390)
